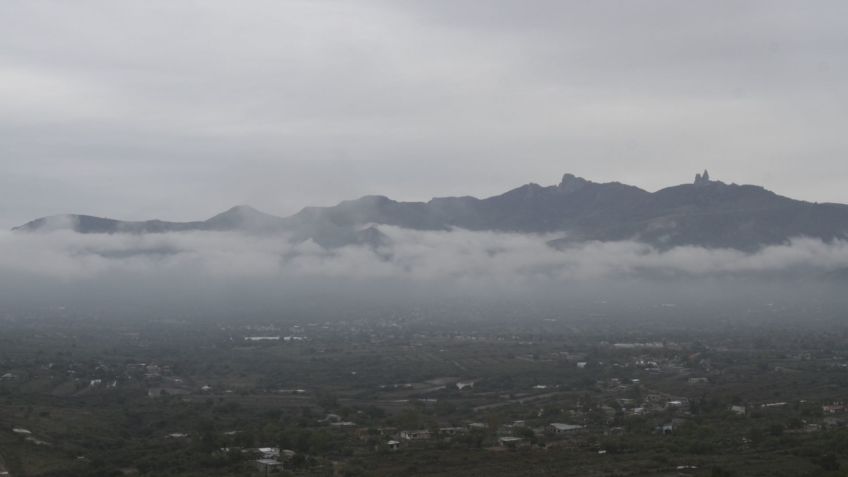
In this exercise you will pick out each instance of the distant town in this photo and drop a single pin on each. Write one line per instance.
(412, 394)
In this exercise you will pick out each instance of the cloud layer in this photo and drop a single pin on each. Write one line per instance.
(458, 256)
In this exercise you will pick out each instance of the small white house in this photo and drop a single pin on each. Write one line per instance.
(269, 452)
(560, 428)
(415, 435)
(343, 425)
(509, 441)
(268, 466)
(452, 431)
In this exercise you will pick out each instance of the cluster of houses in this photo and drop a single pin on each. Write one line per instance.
(29, 437)
(275, 338)
(508, 435)
(268, 460)
(272, 459)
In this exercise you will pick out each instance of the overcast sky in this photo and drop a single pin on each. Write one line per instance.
(181, 109)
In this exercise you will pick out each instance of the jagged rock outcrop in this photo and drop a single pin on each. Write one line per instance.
(571, 183)
(702, 179)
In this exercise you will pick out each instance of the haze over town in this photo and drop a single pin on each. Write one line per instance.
(430, 237)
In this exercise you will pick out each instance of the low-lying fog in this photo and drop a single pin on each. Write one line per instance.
(231, 270)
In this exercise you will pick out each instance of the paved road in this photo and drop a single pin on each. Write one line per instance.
(521, 400)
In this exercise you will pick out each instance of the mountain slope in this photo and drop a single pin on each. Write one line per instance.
(715, 214)
(705, 213)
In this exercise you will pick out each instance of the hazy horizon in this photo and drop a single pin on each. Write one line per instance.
(260, 208)
(180, 110)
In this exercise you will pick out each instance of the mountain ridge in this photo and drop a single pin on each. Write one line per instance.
(706, 213)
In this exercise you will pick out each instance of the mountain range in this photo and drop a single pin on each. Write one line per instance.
(706, 213)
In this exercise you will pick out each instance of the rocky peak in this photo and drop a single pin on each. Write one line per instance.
(571, 183)
(702, 179)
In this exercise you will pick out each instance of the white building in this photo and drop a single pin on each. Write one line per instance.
(415, 435)
(560, 428)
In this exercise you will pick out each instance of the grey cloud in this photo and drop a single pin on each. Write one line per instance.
(458, 256)
(129, 109)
